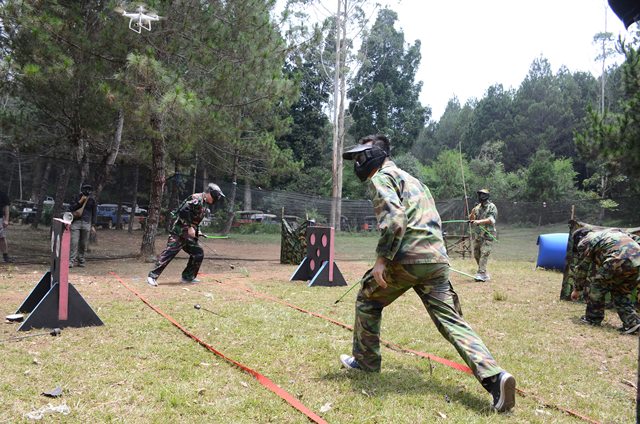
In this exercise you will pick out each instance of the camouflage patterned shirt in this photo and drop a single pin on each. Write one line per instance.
(190, 213)
(480, 211)
(605, 251)
(410, 226)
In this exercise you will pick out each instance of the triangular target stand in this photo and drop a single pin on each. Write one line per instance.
(54, 302)
(318, 267)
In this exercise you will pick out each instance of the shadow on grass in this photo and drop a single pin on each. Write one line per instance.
(411, 381)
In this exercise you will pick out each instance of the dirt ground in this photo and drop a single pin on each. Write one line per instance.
(118, 251)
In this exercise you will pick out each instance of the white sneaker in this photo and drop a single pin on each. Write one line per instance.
(349, 362)
(152, 282)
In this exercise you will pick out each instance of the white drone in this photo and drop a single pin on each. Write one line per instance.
(139, 19)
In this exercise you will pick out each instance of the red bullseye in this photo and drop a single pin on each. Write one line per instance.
(312, 264)
(324, 240)
(312, 239)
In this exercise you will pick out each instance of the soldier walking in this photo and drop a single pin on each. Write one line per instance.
(411, 254)
(483, 221)
(609, 262)
(184, 235)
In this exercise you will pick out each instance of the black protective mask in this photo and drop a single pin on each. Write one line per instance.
(483, 197)
(368, 160)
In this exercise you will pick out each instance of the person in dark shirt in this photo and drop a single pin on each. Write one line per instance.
(4, 209)
(84, 220)
(184, 235)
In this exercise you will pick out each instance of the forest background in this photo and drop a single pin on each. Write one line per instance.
(235, 92)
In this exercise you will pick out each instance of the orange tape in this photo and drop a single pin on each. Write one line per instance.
(266, 382)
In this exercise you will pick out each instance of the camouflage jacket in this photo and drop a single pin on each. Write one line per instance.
(410, 226)
(189, 214)
(481, 211)
(606, 249)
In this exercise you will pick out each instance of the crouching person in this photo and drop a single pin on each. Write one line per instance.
(609, 262)
(184, 235)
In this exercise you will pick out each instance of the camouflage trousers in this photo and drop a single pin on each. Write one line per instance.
(620, 282)
(175, 243)
(431, 283)
(481, 250)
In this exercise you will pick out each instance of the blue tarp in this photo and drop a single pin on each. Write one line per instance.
(552, 250)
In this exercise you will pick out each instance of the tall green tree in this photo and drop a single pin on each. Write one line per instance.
(59, 56)
(492, 120)
(385, 96)
(548, 178)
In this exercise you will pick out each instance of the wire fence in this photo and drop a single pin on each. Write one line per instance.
(23, 176)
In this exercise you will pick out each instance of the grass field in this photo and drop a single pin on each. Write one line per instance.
(139, 368)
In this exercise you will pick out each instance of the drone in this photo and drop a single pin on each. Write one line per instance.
(139, 19)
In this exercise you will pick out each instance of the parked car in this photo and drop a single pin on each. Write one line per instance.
(29, 209)
(107, 215)
(266, 218)
(139, 211)
(245, 217)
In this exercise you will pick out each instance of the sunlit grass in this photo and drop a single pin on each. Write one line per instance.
(139, 368)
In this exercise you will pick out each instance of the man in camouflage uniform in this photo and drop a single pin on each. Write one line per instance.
(411, 254)
(483, 225)
(609, 260)
(184, 235)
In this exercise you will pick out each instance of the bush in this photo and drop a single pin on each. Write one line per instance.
(259, 228)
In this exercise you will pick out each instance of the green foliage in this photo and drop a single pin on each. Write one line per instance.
(548, 178)
(258, 228)
(609, 204)
(57, 68)
(409, 163)
(614, 138)
(313, 215)
(385, 97)
(444, 176)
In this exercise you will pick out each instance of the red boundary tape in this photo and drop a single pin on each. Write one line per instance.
(447, 362)
(266, 382)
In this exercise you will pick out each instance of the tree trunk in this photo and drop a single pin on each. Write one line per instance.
(80, 140)
(36, 184)
(343, 91)
(247, 195)
(205, 178)
(104, 172)
(39, 196)
(195, 174)
(61, 188)
(174, 200)
(336, 174)
(134, 200)
(232, 195)
(158, 153)
(603, 193)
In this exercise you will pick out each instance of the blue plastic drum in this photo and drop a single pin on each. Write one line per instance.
(552, 250)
